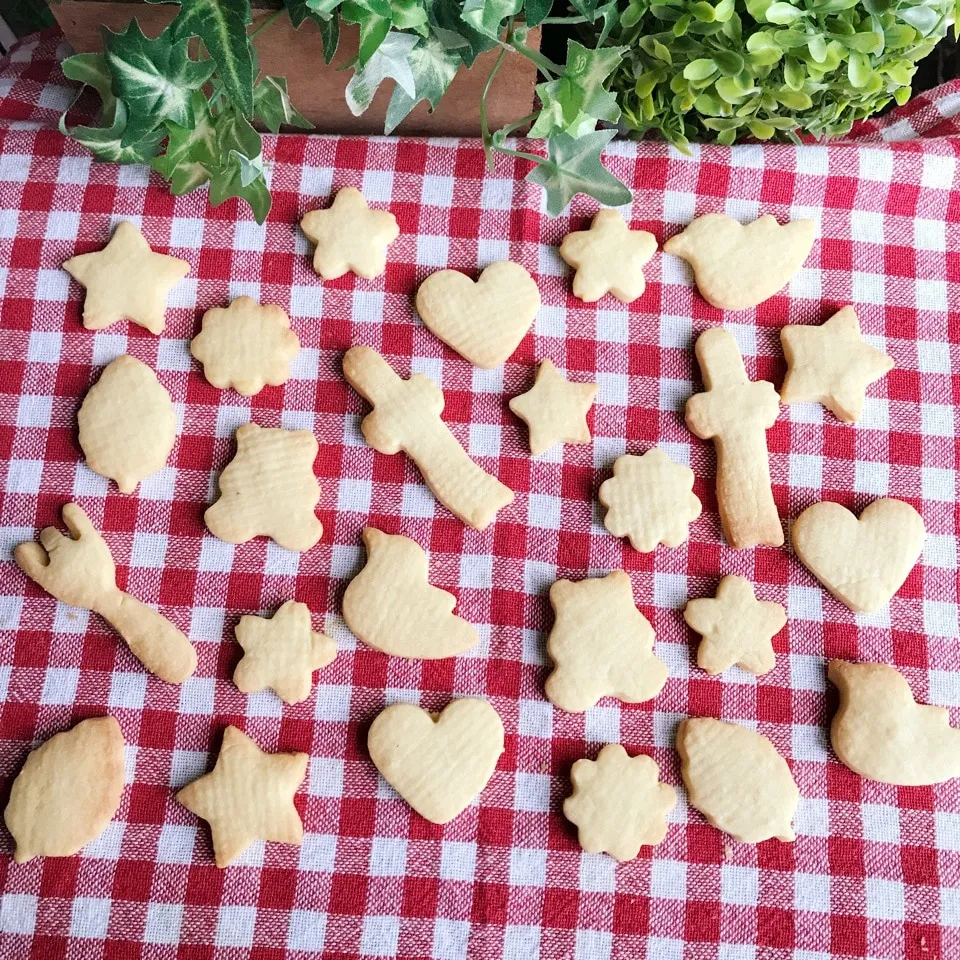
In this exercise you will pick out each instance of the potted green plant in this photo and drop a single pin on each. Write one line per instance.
(187, 100)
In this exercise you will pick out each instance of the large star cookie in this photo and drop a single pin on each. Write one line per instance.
(736, 628)
(608, 258)
(554, 409)
(649, 499)
(350, 237)
(246, 346)
(832, 365)
(247, 796)
(281, 653)
(126, 280)
(601, 645)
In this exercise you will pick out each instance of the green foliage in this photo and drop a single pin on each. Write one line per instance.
(768, 68)
(685, 69)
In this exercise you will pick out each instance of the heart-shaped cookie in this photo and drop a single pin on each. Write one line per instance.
(864, 562)
(437, 762)
(483, 321)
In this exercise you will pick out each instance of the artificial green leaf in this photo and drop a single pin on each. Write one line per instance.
(250, 168)
(236, 142)
(783, 13)
(703, 11)
(409, 15)
(391, 59)
(222, 26)
(866, 42)
(730, 90)
(225, 183)
(374, 25)
(724, 10)
(323, 8)
(573, 166)
(457, 34)
(728, 62)
(188, 150)
(487, 16)
(923, 18)
(761, 130)
(817, 45)
(272, 105)
(794, 99)
(793, 73)
(700, 69)
(534, 11)
(156, 79)
(330, 34)
(433, 68)
(586, 8)
(105, 142)
(858, 69)
(234, 132)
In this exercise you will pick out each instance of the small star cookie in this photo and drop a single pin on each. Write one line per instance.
(269, 489)
(554, 409)
(736, 628)
(601, 645)
(245, 346)
(126, 280)
(281, 653)
(608, 258)
(832, 365)
(350, 237)
(247, 796)
(617, 803)
(649, 499)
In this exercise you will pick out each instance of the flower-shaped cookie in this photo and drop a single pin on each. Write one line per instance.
(246, 346)
(617, 803)
(649, 499)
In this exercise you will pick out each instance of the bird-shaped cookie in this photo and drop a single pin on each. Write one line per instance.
(736, 266)
(883, 734)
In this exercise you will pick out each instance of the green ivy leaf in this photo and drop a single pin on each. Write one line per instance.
(573, 166)
(321, 12)
(487, 16)
(105, 142)
(156, 79)
(409, 15)
(457, 34)
(222, 26)
(235, 138)
(391, 59)
(374, 17)
(535, 10)
(189, 150)
(433, 68)
(783, 13)
(272, 105)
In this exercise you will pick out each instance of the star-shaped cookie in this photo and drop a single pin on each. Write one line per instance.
(617, 803)
(350, 237)
(247, 796)
(608, 258)
(832, 365)
(281, 653)
(555, 409)
(126, 280)
(246, 346)
(736, 628)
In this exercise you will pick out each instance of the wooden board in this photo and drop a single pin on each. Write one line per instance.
(316, 88)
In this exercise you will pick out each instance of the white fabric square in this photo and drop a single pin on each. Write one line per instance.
(90, 918)
(938, 420)
(598, 873)
(811, 892)
(542, 511)
(18, 913)
(938, 172)
(933, 357)
(812, 818)
(593, 945)
(333, 702)
(34, 410)
(458, 860)
(739, 885)
(805, 603)
(929, 235)
(450, 939)
(379, 937)
(197, 695)
(521, 942)
(535, 719)
(871, 477)
(532, 792)
(318, 852)
(23, 476)
(148, 550)
(388, 857)
(491, 250)
(216, 556)
(939, 484)
(353, 496)
(496, 193)
(433, 250)
(377, 187)
(884, 899)
(931, 294)
(668, 879)
(602, 725)
(528, 867)
(307, 930)
(163, 923)
(881, 823)
(484, 439)
(107, 846)
(60, 685)
(235, 925)
(176, 841)
(476, 570)
(128, 690)
(806, 470)
(940, 618)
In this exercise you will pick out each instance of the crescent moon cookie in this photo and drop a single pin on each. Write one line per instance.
(127, 423)
(736, 266)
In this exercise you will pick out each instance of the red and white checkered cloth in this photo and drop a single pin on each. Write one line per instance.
(875, 870)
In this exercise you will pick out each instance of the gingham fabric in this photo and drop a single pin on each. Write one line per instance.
(875, 869)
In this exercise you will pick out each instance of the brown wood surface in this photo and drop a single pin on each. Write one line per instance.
(316, 88)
